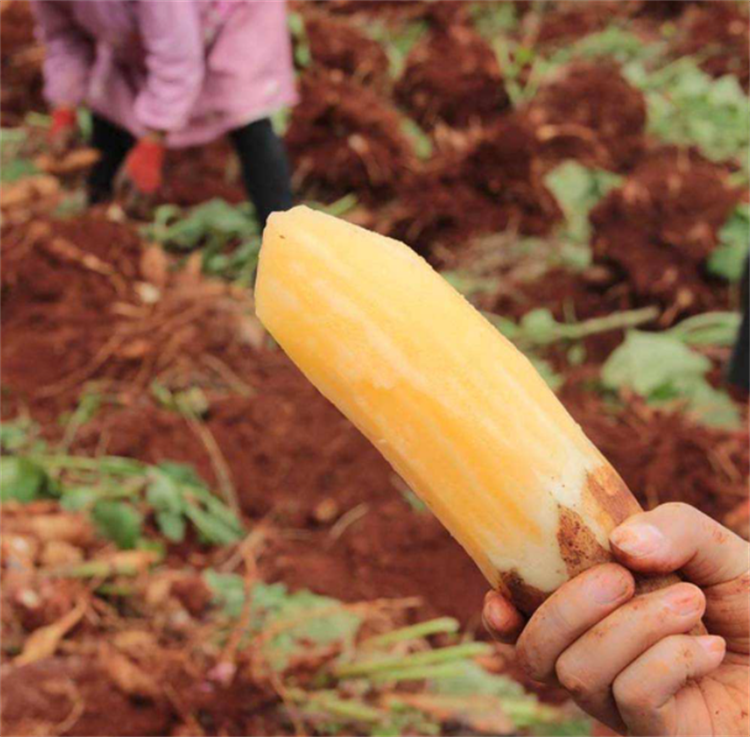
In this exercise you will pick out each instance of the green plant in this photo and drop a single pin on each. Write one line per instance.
(493, 19)
(578, 189)
(119, 493)
(228, 236)
(728, 259)
(663, 370)
(687, 107)
(396, 42)
(394, 682)
(539, 327)
(14, 165)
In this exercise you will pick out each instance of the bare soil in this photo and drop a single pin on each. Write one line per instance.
(452, 77)
(343, 138)
(659, 228)
(591, 113)
(719, 33)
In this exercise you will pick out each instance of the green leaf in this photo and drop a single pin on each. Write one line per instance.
(14, 435)
(172, 525)
(660, 367)
(21, 480)
(728, 259)
(120, 522)
(164, 494)
(578, 189)
(228, 590)
(181, 473)
(539, 327)
(646, 362)
(211, 528)
(79, 498)
(17, 169)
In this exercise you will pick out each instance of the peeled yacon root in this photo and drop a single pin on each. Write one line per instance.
(455, 408)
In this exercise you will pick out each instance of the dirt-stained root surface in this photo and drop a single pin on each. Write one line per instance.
(719, 33)
(343, 137)
(660, 226)
(452, 77)
(493, 183)
(591, 113)
(338, 46)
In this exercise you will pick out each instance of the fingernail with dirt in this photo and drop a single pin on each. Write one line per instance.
(684, 601)
(609, 587)
(637, 540)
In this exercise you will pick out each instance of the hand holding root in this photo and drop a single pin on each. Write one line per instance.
(628, 660)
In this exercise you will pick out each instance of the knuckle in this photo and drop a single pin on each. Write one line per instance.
(631, 693)
(569, 673)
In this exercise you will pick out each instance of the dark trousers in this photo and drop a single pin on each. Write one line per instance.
(739, 366)
(263, 160)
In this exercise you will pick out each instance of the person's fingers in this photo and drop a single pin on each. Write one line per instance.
(588, 668)
(501, 619)
(574, 608)
(644, 692)
(679, 537)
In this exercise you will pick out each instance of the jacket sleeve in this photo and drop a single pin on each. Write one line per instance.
(69, 53)
(175, 61)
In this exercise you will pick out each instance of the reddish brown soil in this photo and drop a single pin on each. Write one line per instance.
(663, 9)
(394, 10)
(195, 175)
(493, 184)
(663, 457)
(73, 310)
(337, 45)
(591, 113)
(452, 77)
(20, 64)
(566, 21)
(661, 225)
(344, 138)
(719, 33)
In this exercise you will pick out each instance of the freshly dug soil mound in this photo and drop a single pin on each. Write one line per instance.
(495, 184)
(344, 138)
(661, 225)
(337, 45)
(566, 21)
(452, 77)
(663, 9)
(195, 175)
(718, 32)
(82, 300)
(591, 113)
(396, 10)
(663, 457)
(20, 64)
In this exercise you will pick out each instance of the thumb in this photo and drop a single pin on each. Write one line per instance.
(676, 537)
(679, 537)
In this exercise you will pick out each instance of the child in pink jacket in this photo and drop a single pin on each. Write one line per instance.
(162, 73)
